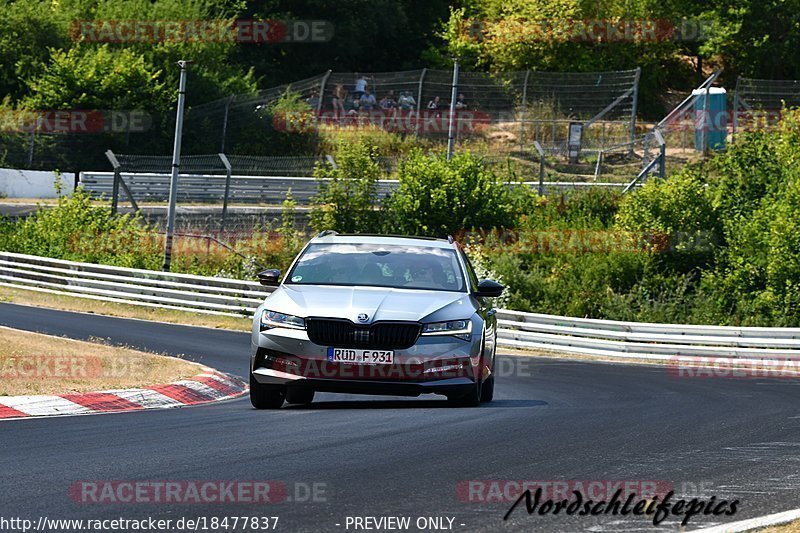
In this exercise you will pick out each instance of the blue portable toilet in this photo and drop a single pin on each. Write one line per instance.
(717, 118)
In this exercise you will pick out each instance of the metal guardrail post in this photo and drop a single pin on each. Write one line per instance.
(228, 170)
(540, 151)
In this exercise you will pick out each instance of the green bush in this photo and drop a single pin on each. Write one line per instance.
(283, 127)
(76, 229)
(345, 202)
(437, 197)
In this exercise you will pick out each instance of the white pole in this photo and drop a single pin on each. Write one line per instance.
(176, 163)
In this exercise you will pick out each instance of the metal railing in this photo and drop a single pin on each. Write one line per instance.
(223, 296)
(269, 190)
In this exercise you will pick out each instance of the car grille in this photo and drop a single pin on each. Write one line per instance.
(378, 336)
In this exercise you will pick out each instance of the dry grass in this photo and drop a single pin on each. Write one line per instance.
(33, 363)
(84, 305)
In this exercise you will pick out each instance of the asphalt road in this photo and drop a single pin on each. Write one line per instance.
(375, 456)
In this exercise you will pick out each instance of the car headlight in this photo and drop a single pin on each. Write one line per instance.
(273, 319)
(456, 328)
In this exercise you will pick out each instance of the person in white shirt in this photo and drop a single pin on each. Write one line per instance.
(361, 86)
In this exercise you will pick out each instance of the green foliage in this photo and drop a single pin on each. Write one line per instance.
(285, 126)
(680, 205)
(387, 143)
(29, 31)
(97, 78)
(437, 197)
(75, 229)
(512, 39)
(591, 208)
(345, 202)
(756, 38)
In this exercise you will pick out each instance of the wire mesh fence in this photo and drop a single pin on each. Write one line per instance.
(758, 104)
(524, 105)
(514, 107)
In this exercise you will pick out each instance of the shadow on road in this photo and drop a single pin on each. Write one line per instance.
(411, 404)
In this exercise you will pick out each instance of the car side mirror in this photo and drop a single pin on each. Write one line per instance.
(489, 289)
(269, 277)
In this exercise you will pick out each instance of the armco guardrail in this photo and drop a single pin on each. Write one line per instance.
(223, 296)
(211, 188)
(244, 189)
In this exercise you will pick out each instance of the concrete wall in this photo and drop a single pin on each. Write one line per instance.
(16, 183)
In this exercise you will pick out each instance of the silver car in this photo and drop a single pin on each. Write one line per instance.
(372, 314)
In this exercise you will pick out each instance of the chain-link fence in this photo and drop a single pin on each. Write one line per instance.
(758, 104)
(519, 107)
(497, 113)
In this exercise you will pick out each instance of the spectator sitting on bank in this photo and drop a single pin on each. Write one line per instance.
(360, 86)
(406, 101)
(434, 104)
(313, 100)
(461, 103)
(388, 102)
(367, 101)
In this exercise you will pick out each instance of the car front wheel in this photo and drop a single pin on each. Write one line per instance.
(266, 396)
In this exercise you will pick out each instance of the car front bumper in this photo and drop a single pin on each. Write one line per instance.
(434, 364)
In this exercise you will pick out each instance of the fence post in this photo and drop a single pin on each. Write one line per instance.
(635, 97)
(453, 97)
(115, 188)
(735, 109)
(225, 123)
(322, 85)
(705, 117)
(419, 100)
(540, 150)
(176, 161)
(524, 107)
(599, 164)
(227, 164)
(30, 148)
(662, 157)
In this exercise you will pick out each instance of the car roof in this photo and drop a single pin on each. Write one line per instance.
(397, 240)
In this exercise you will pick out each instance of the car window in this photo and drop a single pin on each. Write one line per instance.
(379, 265)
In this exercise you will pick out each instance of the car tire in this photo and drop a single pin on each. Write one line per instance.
(487, 390)
(266, 396)
(471, 399)
(301, 396)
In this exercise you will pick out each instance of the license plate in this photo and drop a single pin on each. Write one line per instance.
(361, 357)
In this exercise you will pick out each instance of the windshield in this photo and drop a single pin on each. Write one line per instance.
(378, 265)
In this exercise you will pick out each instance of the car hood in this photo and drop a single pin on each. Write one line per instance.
(378, 303)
